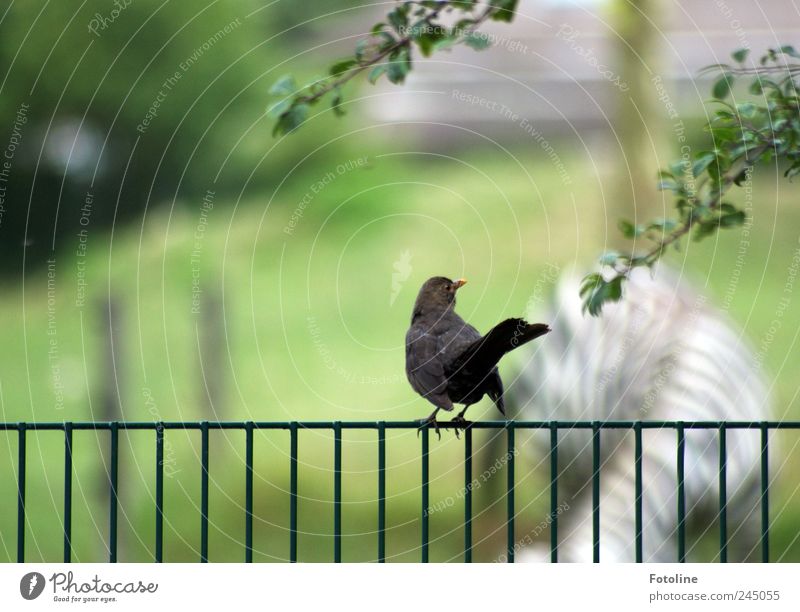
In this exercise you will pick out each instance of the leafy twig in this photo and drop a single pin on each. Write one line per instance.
(744, 135)
(388, 51)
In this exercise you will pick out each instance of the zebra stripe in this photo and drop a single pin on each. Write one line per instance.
(660, 353)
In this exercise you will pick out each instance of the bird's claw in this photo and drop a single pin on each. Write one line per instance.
(460, 421)
(431, 420)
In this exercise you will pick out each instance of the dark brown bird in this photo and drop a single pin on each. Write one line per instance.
(448, 361)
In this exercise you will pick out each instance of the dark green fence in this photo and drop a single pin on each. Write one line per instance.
(380, 428)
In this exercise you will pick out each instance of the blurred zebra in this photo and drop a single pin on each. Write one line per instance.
(660, 353)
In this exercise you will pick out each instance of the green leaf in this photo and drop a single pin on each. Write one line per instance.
(477, 41)
(386, 40)
(342, 66)
(722, 133)
(740, 178)
(756, 88)
(427, 38)
(715, 173)
(276, 110)
(504, 10)
(426, 45)
(684, 209)
(701, 161)
(627, 228)
(291, 119)
(740, 55)
(679, 167)
(793, 171)
(734, 218)
(445, 42)
(589, 283)
(663, 225)
(746, 110)
(399, 18)
(363, 45)
(790, 51)
(596, 291)
(704, 229)
(722, 87)
(767, 83)
(614, 292)
(284, 86)
(399, 66)
(376, 73)
(463, 24)
(590, 286)
(336, 103)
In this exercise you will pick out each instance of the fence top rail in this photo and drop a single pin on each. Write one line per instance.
(244, 425)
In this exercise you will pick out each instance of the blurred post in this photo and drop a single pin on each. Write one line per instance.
(110, 408)
(638, 117)
(211, 346)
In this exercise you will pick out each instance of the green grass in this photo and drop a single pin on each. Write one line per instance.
(310, 332)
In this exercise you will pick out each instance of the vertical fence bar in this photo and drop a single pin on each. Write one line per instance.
(248, 492)
(553, 492)
(425, 501)
(113, 500)
(204, 492)
(764, 493)
(637, 433)
(337, 492)
(159, 492)
(468, 495)
(381, 492)
(511, 451)
(67, 492)
(681, 494)
(596, 491)
(293, 492)
(723, 494)
(21, 468)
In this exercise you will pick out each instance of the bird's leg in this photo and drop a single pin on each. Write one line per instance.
(459, 418)
(460, 421)
(431, 419)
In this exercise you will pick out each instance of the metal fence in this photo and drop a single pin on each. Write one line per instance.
(380, 427)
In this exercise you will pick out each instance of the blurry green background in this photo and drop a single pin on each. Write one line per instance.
(218, 273)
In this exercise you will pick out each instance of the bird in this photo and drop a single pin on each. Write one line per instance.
(448, 361)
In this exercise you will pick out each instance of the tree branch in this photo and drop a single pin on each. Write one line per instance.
(405, 41)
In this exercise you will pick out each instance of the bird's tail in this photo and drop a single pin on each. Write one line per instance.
(501, 339)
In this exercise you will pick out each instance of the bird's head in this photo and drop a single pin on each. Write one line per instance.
(437, 294)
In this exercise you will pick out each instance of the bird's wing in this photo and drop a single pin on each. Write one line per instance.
(424, 367)
(457, 337)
